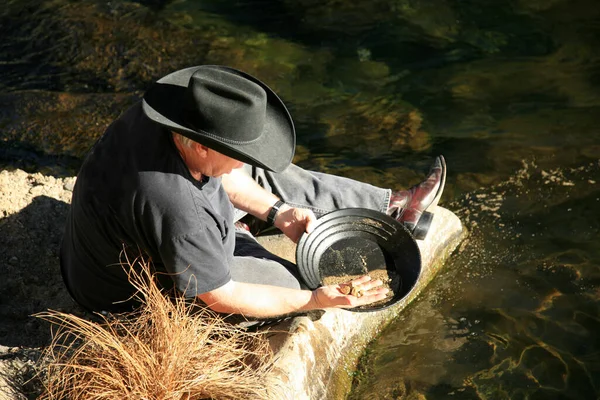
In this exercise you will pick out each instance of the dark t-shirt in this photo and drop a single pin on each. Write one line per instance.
(135, 192)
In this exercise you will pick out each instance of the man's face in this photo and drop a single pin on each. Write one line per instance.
(216, 164)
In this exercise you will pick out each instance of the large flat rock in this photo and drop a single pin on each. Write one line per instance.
(316, 355)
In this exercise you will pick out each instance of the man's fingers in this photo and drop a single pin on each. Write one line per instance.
(311, 221)
(374, 295)
(371, 284)
(364, 288)
(366, 297)
(310, 226)
(359, 281)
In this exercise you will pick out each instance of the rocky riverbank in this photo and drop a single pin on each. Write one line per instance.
(33, 209)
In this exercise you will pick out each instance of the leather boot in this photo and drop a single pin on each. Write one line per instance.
(410, 206)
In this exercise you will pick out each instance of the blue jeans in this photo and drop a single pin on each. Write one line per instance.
(317, 191)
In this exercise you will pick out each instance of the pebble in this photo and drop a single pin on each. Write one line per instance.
(69, 184)
(6, 349)
(13, 260)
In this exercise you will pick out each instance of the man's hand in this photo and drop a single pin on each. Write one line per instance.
(247, 195)
(333, 295)
(293, 222)
(263, 301)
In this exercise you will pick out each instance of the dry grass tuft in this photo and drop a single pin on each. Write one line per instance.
(163, 351)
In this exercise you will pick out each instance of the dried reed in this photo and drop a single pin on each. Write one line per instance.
(163, 351)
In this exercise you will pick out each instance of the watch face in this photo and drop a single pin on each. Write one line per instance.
(273, 212)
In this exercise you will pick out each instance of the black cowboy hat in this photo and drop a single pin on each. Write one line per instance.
(226, 110)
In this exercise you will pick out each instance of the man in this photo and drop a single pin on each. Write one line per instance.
(170, 177)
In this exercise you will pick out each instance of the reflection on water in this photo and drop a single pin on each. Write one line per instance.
(515, 314)
(507, 91)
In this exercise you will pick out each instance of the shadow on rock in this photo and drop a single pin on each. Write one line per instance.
(31, 280)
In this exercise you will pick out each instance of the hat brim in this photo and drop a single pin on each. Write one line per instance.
(273, 149)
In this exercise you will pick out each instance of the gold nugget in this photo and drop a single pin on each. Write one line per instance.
(356, 292)
(349, 289)
(346, 289)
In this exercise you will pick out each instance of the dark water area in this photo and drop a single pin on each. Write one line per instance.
(507, 91)
(514, 314)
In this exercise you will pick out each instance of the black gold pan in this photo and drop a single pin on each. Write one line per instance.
(358, 241)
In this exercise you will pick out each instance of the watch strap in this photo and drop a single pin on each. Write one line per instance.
(273, 212)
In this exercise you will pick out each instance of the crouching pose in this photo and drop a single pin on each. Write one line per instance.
(206, 146)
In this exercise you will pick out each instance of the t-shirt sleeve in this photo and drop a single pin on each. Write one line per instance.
(184, 231)
(196, 261)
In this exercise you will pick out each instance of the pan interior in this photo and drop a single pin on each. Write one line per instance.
(351, 256)
(355, 242)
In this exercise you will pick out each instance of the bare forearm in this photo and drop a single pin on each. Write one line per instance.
(247, 195)
(260, 301)
(264, 301)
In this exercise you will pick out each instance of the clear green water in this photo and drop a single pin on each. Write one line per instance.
(507, 91)
(514, 314)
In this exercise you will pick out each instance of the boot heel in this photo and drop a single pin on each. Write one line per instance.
(423, 225)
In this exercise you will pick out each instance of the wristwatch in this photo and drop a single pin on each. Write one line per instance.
(273, 212)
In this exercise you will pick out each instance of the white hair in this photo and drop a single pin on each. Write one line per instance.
(184, 140)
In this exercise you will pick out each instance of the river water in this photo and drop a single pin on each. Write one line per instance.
(507, 91)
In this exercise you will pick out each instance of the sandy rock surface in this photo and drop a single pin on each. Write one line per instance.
(33, 208)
